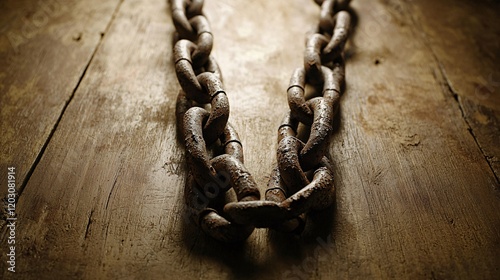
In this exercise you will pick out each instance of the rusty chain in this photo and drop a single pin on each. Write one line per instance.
(302, 180)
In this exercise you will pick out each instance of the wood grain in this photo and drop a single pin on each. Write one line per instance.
(416, 197)
(45, 48)
(465, 44)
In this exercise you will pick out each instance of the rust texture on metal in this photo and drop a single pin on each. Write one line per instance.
(302, 179)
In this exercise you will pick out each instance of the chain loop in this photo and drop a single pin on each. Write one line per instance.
(289, 164)
(204, 40)
(180, 19)
(340, 34)
(302, 178)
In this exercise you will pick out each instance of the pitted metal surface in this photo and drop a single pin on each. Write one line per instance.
(302, 180)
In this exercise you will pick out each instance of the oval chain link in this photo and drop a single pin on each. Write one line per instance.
(302, 179)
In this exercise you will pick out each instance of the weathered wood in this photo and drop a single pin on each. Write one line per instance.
(465, 43)
(415, 196)
(45, 47)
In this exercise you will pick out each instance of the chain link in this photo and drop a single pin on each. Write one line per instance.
(302, 179)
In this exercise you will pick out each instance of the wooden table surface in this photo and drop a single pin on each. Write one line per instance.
(87, 96)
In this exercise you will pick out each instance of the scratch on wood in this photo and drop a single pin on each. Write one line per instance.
(376, 176)
(115, 180)
(89, 222)
(106, 236)
(112, 189)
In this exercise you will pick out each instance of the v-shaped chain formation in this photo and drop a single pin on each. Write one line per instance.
(302, 179)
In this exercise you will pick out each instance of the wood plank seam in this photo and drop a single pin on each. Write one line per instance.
(456, 97)
(453, 92)
(56, 124)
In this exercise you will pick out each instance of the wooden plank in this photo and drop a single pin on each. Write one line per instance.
(45, 48)
(465, 43)
(415, 199)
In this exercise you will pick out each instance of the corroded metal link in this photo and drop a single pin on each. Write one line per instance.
(276, 192)
(326, 23)
(181, 106)
(334, 79)
(317, 195)
(301, 110)
(340, 35)
(296, 99)
(199, 159)
(341, 5)
(283, 179)
(213, 67)
(240, 179)
(197, 203)
(182, 12)
(218, 118)
(195, 8)
(198, 198)
(276, 189)
(201, 166)
(338, 6)
(215, 119)
(289, 163)
(185, 72)
(231, 143)
(200, 24)
(183, 50)
(246, 190)
(198, 88)
(209, 219)
(211, 84)
(312, 58)
(339, 74)
(259, 213)
(288, 127)
(180, 19)
(291, 192)
(321, 130)
(219, 113)
(204, 41)
(221, 229)
(329, 82)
